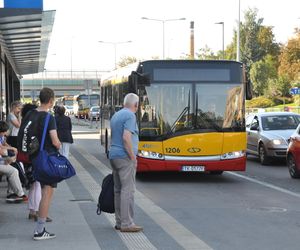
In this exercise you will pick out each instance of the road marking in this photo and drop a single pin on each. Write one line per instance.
(177, 231)
(132, 241)
(266, 184)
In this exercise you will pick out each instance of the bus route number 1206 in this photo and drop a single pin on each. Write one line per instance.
(172, 150)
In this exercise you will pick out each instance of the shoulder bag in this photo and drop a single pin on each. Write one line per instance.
(51, 168)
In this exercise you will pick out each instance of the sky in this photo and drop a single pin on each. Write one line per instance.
(79, 25)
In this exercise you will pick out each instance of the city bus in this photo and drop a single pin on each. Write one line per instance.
(67, 102)
(191, 113)
(82, 104)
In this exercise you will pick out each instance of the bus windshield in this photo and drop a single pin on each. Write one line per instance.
(68, 102)
(83, 102)
(168, 109)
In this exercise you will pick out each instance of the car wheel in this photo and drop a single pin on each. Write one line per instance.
(294, 172)
(263, 157)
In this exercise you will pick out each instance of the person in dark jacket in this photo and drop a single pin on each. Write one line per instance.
(64, 130)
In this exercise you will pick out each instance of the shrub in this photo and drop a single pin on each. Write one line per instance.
(260, 102)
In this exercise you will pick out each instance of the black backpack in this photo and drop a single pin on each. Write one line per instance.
(106, 198)
(27, 137)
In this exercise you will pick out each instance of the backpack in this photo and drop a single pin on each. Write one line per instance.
(106, 201)
(27, 137)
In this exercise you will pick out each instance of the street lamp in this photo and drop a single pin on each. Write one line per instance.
(71, 58)
(223, 51)
(115, 48)
(238, 34)
(163, 21)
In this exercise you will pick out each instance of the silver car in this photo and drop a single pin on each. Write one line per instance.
(268, 134)
(94, 113)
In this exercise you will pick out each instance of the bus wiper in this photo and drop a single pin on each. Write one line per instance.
(185, 110)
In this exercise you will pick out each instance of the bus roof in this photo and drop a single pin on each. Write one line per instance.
(120, 75)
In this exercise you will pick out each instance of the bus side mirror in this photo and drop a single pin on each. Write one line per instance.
(132, 83)
(136, 79)
(249, 89)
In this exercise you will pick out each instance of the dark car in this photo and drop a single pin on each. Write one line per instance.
(293, 154)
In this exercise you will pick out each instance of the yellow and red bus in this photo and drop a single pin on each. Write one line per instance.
(82, 104)
(191, 115)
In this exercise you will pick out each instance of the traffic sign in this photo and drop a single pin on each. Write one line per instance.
(295, 91)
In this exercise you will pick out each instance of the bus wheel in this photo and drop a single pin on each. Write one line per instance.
(216, 172)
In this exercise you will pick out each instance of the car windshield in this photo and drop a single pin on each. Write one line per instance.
(280, 122)
(95, 109)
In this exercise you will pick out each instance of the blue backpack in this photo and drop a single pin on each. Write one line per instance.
(106, 201)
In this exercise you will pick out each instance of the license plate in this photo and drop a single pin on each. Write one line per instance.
(193, 168)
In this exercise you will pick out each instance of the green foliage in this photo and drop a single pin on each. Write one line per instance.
(126, 61)
(282, 85)
(260, 102)
(206, 54)
(250, 47)
(261, 72)
(256, 40)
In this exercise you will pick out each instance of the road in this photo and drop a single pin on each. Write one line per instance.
(256, 209)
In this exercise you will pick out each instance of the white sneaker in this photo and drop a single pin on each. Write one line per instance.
(43, 235)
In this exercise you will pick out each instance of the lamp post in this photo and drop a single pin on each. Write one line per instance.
(71, 58)
(238, 35)
(223, 51)
(163, 21)
(115, 48)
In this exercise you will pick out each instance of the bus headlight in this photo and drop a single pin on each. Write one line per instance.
(233, 155)
(150, 155)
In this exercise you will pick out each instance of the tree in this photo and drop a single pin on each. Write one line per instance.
(206, 54)
(259, 77)
(126, 60)
(290, 58)
(278, 87)
(256, 40)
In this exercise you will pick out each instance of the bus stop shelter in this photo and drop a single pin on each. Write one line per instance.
(24, 39)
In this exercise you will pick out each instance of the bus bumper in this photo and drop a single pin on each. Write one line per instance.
(149, 165)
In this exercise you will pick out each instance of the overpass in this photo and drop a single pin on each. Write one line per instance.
(62, 82)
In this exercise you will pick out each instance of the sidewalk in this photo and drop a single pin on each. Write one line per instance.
(80, 126)
(69, 223)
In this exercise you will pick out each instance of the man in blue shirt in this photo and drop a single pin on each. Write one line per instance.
(122, 155)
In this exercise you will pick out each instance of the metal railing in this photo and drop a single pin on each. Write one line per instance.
(294, 109)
